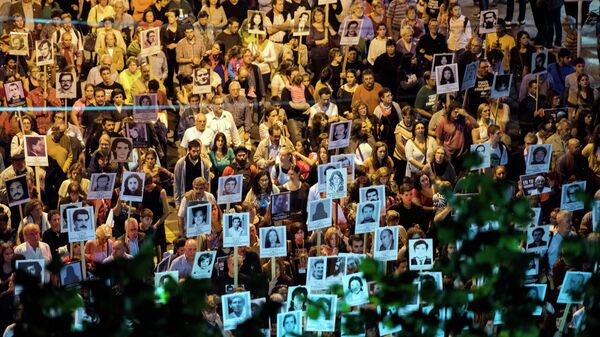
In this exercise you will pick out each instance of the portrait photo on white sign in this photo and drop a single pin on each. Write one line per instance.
(420, 253)
(138, 134)
(501, 86)
(17, 190)
(229, 189)
(319, 214)
(66, 85)
(198, 220)
(356, 291)
(44, 53)
(132, 187)
(536, 293)
(273, 241)
(482, 151)
(280, 206)
(301, 23)
(236, 309)
(367, 217)
(160, 279)
(145, 108)
(256, 23)
(536, 184)
(236, 229)
(34, 267)
(571, 198)
(373, 193)
(121, 150)
(315, 277)
(297, 298)
(347, 161)
(64, 219)
(81, 224)
(350, 32)
(19, 44)
(201, 81)
(337, 183)
(14, 93)
(488, 20)
(150, 41)
(538, 238)
(339, 135)
(36, 153)
(539, 62)
(446, 79)
(538, 158)
(71, 274)
(573, 287)
(289, 324)
(386, 243)
(102, 185)
(203, 264)
(322, 170)
(327, 306)
(441, 60)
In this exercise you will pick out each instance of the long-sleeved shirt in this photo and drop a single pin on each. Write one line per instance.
(187, 49)
(61, 151)
(240, 109)
(225, 124)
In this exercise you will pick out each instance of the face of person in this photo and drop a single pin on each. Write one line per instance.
(199, 216)
(16, 43)
(367, 212)
(386, 238)
(230, 186)
(421, 250)
(102, 182)
(66, 81)
(318, 272)
(537, 235)
(447, 75)
(132, 184)
(372, 196)
(38, 146)
(440, 156)
(99, 96)
(339, 131)
(190, 250)
(273, 237)
(489, 19)
(204, 262)
(237, 223)
(16, 190)
(354, 286)
(13, 90)
(289, 323)
(151, 37)
(33, 237)
(81, 220)
(44, 50)
(122, 151)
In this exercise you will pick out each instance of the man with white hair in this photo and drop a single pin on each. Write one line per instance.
(33, 248)
(94, 76)
(240, 109)
(133, 238)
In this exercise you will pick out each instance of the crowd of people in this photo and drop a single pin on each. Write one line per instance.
(78, 76)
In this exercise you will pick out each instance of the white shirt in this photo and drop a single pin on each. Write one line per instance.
(39, 253)
(224, 124)
(458, 33)
(331, 110)
(205, 137)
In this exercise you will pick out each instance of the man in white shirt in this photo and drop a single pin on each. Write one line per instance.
(199, 132)
(184, 263)
(324, 105)
(219, 120)
(33, 248)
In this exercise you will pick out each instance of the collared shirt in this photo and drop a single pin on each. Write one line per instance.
(181, 265)
(188, 50)
(205, 137)
(42, 252)
(224, 124)
(134, 246)
(240, 109)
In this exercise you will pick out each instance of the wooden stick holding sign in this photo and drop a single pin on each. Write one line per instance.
(563, 320)
(344, 63)
(83, 266)
(537, 90)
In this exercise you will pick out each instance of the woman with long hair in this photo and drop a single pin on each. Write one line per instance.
(592, 152)
(100, 248)
(379, 158)
(221, 156)
(423, 196)
(160, 175)
(520, 56)
(584, 98)
(585, 126)
(419, 149)
(217, 19)
(440, 168)
(304, 158)
(346, 91)
(484, 119)
(80, 104)
(6, 257)
(76, 174)
(299, 190)
(318, 42)
(261, 191)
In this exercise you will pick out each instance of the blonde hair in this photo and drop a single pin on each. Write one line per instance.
(103, 232)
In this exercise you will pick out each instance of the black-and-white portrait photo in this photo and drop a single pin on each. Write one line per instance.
(352, 261)
(539, 62)
(145, 108)
(132, 187)
(446, 78)
(356, 291)
(138, 134)
(367, 217)
(19, 44)
(573, 287)
(347, 161)
(273, 241)
(337, 183)
(66, 85)
(538, 238)
(161, 278)
(373, 193)
(315, 277)
(319, 214)
(44, 53)
(302, 23)
(150, 41)
(335, 269)
(535, 184)
(81, 224)
(121, 150)
(538, 158)
(64, 218)
(483, 151)
(322, 171)
(570, 200)
(536, 292)
(297, 298)
(236, 229)
(229, 189)
(501, 86)
(325, 321)
(71, 274)
(14, 93)
(35, 151)
(441, 60)
(198, 220)
(236, 309)
(420, 253)
(34, 267)
(470, 76)
(289, 324)
(280, 206)
(431, 280)
(256, 23)
(101, 185)
(339, 135)
(201, 83)
(487, 21)
(350, 34)
(533, 267)
(386, 243)
(17, 190)
(203, 264)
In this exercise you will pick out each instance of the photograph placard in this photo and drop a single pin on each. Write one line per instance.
(539, 62)
(66, 85)
(501, 86)
(150, 41)
(132, 187)
(446, 79)
(44, 53)
(14, 93)
(229, 189)
(441, 59)
(347, 161)
(488, 20)
(420, 253)
(71, 274)
(256, 23)
(273, 241)
(17, 190)
(356, 291)
(319, 214)
(367, 217)
(301, 23)
(537, 293)
(573, 287)
(145, 108)
(337, 183)
(81, 224)
(236, 309)
(36, 153)
(538, 158)
(297, 298)
(350, 32)
(339, 135)
(569, 198)
(201, 81)
(121, 150)
(33, 267)
(483, 151)
(203, 264)
(19, 44)
(386, 243)
(280, 206)
(289, 324)
(102, 185)
(198, 220)
(327, 305)
(315, 277)
(535, 184)
(470, 76)
(64, 219)
(236, 230)
(138, 134)
(538, 239)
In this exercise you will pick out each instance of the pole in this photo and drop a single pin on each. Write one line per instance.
(83, 266)
(344, 63)
(447, 99)
(273, 270)
(128, 210)
(235, 267)
(318, 242)
(563, 320)
(326, 21)
(299, 45)
(537, 90)
(21, 211)
(579, 24)
(37, 183)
